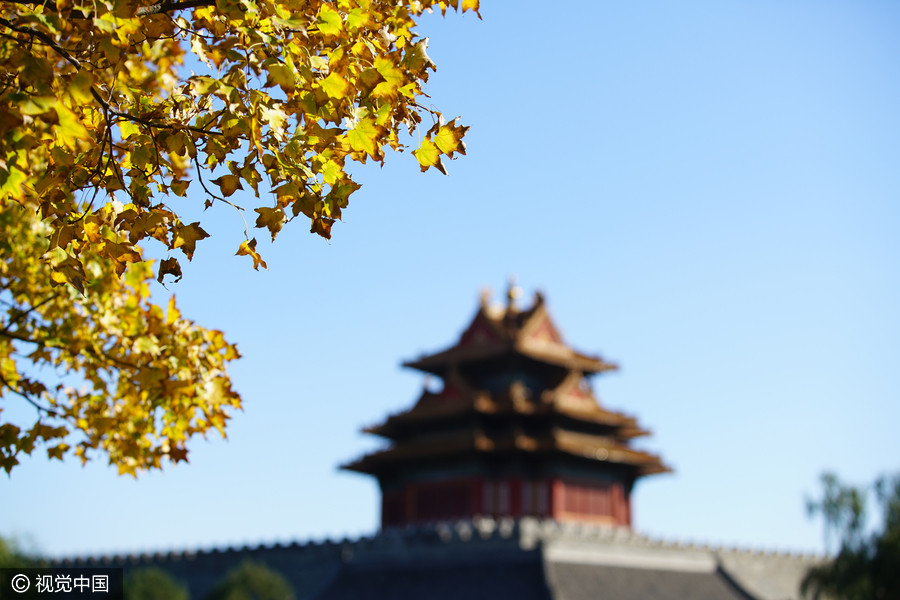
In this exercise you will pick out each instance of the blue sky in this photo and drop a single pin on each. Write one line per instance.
(708, 193)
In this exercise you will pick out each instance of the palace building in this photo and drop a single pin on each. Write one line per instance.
(514, 431)
(509, 480)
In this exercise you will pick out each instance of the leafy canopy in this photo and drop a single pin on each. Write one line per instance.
(252, 581)
(110, 111)
(153, 583)
(136, 380)
(865, 565)
(12, 556)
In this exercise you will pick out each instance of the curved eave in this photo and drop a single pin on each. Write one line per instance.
(439, 363)
(596, 452)
(643, 462)
(561, 356)
(437, 410)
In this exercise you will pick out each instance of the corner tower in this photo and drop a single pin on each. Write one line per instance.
(515, 431)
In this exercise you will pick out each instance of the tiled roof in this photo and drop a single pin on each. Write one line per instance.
(593, 582)
(530, 333)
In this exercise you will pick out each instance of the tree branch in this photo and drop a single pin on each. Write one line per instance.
(34, 33)
(142, 11)
(22, 313)
(28, 399)
(165, 7)
(106, 105)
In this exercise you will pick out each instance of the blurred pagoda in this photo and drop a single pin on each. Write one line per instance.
(511, 482)
(515, 431)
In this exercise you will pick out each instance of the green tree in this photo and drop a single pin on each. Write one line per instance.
(110, 110)
(12, 555)
(867, 563)
(153, 584)
(252, 581)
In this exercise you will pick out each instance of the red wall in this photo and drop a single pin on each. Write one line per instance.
(562, 499)
(590, 502)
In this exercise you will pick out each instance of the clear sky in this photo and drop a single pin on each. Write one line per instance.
(708, 193)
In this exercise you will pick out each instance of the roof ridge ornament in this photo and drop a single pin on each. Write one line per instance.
(513, 292)
(484, 297)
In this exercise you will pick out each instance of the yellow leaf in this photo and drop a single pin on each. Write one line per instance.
(429, 155)
(392, 75)
(281, 75)
(248, 248)
(271, 218)
(362, 137)
(186, 237)
(57, 451)
(179, 187)
(322, 227)
(449, 139)
(416, 58)
(335, 86)
(128, 128)
(357, 18)
(80, 87)
(172, 314)
(332, 172)
(472, 5)
(147, 345)
(176, 143)
(329, 21)
(36, 105)
(228, 184)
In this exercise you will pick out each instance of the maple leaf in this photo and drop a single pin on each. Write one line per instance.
(228, 184)
(363, 137)
(271, 218)
(429, 155)
(169, 266)
(322, 226)
(177, 455)
(329, 21)
(448, 138)
(416, 58)
(335, 86)
(248, 248)
(187, 236)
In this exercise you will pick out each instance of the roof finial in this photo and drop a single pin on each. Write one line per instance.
(513, 292)
(485, 297)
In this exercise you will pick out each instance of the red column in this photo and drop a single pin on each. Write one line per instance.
(515, 497)
(557, 491)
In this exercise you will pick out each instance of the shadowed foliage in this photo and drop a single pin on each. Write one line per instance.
(252, 581)
(867, 564)
(153, 584)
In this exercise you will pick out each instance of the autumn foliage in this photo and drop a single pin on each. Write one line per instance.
(111, 108)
